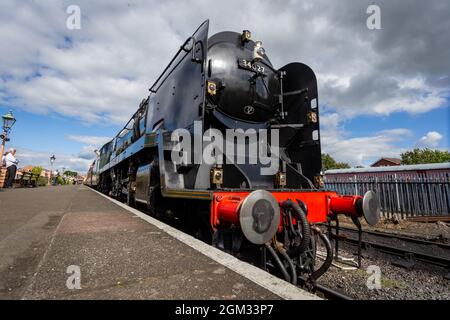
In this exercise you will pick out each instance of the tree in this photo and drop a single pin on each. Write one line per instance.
(37, 170)
(60, 180)
(69, 173)
(329, 163)
(419, 156)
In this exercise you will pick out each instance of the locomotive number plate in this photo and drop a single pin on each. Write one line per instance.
(246, 64)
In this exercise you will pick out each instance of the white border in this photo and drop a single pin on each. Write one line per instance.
(262, 278)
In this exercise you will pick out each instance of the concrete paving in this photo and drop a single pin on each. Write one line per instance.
(46, 232)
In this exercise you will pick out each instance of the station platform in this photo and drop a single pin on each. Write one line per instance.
(48, 234)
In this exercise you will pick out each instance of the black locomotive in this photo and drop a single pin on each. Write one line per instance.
(222, 83)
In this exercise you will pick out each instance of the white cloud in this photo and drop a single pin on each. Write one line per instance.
(90, 140)
(398, 132)
(101, 72)
(431, 139)
(90, 144)
(42, 158)
(76, 162)
(87, 152)
(362, 150)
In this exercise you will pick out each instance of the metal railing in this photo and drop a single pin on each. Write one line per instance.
(403, 196)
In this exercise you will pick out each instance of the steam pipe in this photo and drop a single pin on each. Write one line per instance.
(291, 266)
(279, 263)
(328, 260)
(300, 215)
(291, 226)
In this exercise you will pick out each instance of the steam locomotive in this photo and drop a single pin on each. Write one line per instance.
(220, 84)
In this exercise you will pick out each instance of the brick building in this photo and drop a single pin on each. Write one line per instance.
(387, 162)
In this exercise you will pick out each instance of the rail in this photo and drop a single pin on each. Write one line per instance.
(399, 250)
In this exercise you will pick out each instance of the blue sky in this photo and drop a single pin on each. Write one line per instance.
(419, 124)
(51, 132)
(381, 92)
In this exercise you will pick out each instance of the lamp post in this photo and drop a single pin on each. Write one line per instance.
(52, 159)
(8, 122)
(62, 174)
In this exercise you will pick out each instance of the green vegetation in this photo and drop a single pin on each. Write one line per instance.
(42, 181)
(329, 163)
(37, 170)
(60, 180)
(69, 173)
(420, 156)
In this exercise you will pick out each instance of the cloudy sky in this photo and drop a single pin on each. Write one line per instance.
(381, 92)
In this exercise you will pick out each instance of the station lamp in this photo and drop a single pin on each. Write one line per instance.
(8, 121)
(52, 160)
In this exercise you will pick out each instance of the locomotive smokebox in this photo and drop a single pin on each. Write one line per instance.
(244, 76)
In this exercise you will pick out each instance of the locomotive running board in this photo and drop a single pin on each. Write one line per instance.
(187, 194)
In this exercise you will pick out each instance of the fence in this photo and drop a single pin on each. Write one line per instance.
(406, 196)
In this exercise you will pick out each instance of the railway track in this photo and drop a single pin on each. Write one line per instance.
(401, 237)
(331, 294)
(405, 252)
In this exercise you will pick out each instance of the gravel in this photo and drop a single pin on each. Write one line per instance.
(421, 281)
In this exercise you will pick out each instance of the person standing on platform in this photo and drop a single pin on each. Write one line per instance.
(11, 167)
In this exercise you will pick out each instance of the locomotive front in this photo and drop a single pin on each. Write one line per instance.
(279, 210)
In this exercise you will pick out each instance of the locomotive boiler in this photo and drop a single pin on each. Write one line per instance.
(226, 84)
